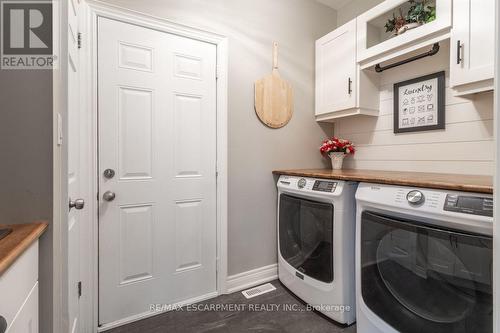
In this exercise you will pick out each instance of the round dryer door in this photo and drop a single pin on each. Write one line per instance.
(306, 236)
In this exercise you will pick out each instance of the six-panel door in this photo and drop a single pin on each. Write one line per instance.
(157, 132)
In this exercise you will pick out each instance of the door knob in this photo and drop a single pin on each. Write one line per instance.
(109, 196)
(77, 204)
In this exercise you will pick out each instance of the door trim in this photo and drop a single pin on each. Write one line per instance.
(496, 183)
(96, 9)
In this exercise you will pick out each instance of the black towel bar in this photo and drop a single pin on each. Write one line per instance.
(433, 51)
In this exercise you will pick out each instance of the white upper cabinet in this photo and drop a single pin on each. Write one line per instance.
(472, 46)
(337, 75)
(336, 70)
(346, 59)
(375, 44)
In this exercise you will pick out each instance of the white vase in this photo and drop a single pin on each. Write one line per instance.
(337, 160)
(407, 27)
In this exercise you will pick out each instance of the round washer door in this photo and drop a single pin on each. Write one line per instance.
(419, 278)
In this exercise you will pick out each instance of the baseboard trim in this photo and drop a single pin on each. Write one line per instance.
(149, 314)
(251, 278)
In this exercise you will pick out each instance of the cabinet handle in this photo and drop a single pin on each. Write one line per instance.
(349, 86)
(3, 324)
(459, 52)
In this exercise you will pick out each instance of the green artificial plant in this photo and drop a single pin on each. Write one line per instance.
(419, 12)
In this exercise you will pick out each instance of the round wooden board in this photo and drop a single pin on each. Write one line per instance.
(273, 100)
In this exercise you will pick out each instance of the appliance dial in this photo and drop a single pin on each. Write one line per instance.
(415, 197)
(302, 183)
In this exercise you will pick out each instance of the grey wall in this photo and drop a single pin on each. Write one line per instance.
(354, 8)
(255, 150)
(26, 163)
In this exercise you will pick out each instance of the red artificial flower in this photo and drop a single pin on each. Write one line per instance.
(335, 144)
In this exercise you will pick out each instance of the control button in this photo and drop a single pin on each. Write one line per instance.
(415, 197)
(302, 183)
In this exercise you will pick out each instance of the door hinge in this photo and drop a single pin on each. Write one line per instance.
(217, 71)
(79, 289)
(79, 40)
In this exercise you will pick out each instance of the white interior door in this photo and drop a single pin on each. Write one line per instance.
(157, 133)
(75, 179)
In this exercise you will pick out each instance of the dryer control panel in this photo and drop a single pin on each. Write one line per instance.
(315, 187)
(324, 186)
(469, 205)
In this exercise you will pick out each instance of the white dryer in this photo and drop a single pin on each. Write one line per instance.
(316, 233)
(423, 260)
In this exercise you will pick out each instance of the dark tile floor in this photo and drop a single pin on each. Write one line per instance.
(255, 319)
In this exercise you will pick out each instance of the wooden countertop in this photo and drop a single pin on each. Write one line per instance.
(15, 243)
(467, 183)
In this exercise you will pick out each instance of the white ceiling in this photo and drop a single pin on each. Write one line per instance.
(335, 4)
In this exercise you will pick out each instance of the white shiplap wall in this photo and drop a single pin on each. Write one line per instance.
(466, 146)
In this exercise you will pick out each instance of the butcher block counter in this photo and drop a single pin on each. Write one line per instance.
(466, 183)
(19, 240)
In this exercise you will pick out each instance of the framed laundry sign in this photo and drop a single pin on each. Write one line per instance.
(419, 104)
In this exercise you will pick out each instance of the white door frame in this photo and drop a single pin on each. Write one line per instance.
(96, 9)
(496, 183)
(60, 315)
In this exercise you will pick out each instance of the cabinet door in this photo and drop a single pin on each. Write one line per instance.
(26, 320)
(17, 283)
(336, 70)
(472, 41)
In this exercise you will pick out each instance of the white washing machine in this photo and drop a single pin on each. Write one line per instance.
(316, 233)
(423, 260)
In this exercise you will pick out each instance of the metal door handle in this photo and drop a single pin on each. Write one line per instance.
(349, 86)
(109, 196)
(459, 52)
(77, 204)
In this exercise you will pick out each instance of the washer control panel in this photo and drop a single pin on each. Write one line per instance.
(324, 186)
(415, 197)
(469, 205)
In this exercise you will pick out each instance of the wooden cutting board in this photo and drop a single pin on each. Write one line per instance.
(274, 97)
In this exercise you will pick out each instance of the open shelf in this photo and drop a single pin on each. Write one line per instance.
(376, 30)
(375, 43)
